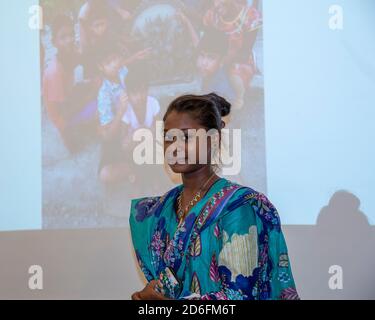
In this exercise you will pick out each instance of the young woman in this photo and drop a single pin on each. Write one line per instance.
(208, 238)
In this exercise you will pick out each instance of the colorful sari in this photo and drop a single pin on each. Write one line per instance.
(229, 247)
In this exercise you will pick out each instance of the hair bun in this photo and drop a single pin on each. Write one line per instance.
(221, 104)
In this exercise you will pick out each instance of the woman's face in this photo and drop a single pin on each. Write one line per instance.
(179, 142)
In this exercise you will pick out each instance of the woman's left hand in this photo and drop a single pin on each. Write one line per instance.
(149, 293)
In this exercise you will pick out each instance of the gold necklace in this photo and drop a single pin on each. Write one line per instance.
(181, 213)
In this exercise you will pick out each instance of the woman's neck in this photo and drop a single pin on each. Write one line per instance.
(195, 180)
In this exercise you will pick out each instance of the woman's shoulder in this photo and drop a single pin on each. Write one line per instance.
(141, 208)
(144, 207)
(248, 198)
(154, 198)
(240, 189)
(246, 191)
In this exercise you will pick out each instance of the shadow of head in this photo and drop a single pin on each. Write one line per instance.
(343, 214)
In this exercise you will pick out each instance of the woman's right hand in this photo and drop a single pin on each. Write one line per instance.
(149, 293)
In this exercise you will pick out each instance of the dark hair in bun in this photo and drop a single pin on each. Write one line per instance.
(207, 109)
(223, 105)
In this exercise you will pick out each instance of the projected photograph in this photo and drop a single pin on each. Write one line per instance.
(111, 67)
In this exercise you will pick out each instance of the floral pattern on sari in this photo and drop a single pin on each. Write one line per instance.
(145, 208)
(255, 265)
(143, 268)
(157, 245)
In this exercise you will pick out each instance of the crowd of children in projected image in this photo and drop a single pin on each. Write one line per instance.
(96, 86)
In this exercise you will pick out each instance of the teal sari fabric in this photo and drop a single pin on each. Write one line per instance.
(229, 247)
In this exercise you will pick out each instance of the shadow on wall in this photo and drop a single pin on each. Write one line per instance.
(335, 259)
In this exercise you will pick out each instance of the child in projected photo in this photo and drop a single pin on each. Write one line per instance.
(212, 49)
(142, 109)
(124, 106)
(106, 22)
(142, 113)
(95, 31)
(94, 19)
(100, 19)
(121, 10)
(70, 104)
(112, 105)
(240, 23)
